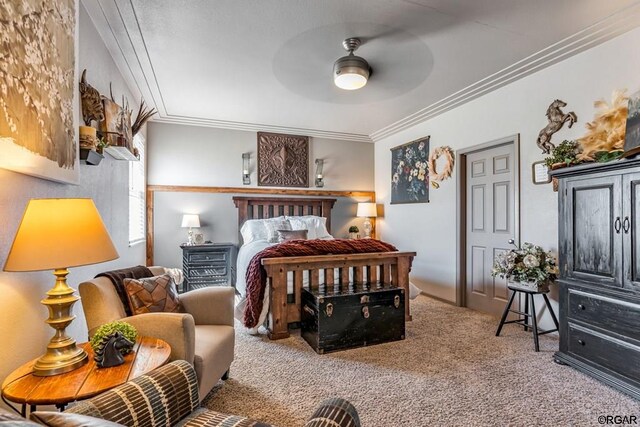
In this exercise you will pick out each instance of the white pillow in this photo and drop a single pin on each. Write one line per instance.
(257, 229)
(316, 225)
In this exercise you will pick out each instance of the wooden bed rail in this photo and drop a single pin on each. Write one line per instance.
(384, 268)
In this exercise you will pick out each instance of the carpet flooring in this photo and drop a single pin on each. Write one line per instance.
(451, 370)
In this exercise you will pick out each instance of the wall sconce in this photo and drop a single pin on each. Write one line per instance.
(246, 175)
(319, 175)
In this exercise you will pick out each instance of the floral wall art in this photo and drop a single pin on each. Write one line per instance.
(409, 172)
(37, 74)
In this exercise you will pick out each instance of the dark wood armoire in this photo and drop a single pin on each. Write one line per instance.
(599, 279)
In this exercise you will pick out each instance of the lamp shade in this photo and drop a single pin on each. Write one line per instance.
(190, 221)
(368, 210)
(59, 233)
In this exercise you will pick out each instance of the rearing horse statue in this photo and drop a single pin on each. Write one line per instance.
(557, 119)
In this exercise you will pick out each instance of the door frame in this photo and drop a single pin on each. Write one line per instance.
(461, 207)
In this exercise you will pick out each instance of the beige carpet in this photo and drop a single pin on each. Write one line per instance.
(451, 370)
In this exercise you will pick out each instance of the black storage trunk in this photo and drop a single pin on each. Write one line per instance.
(336, 319)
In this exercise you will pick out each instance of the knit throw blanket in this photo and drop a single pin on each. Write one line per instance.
(117, 278)
(257, 275)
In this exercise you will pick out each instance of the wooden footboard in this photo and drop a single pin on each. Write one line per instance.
(386, 268)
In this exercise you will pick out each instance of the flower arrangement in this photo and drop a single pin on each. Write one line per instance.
(124, 328)
(530, 263)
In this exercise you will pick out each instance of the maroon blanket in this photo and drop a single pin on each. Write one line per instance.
(257, 275)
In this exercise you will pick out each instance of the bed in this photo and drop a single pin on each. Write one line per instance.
(286, 276)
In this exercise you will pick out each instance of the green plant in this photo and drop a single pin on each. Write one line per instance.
(565, 152)
(527, 264)
(124, 328)
(101, 145)
(607, 156)
(353, 229)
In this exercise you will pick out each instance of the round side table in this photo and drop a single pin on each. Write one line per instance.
(24, 388)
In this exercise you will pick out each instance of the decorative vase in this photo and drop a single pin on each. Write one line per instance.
(542, 286)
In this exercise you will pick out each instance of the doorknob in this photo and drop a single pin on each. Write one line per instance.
(626, 225)
(617, 225)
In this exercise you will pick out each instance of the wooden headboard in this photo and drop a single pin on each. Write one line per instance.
(271, 207)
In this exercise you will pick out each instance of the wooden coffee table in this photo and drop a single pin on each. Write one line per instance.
(22, 387)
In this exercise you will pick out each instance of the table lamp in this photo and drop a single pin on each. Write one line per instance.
(367, 210)
(56, 234)
(190, 221)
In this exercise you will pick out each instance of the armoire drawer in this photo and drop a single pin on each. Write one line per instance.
(615, 315)
(617, 355)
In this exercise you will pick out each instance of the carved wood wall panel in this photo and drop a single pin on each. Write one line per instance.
(283, 160)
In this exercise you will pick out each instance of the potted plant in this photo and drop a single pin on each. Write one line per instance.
(353, 232)
(529, 267)
(564, 154)
(124, 328)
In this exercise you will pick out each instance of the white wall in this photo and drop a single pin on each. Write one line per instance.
(202, 156)
(23, 333)
(518, 108)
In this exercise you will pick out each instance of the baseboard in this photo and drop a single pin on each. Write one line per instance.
(446, 301)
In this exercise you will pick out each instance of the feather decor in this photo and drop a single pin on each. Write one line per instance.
(143, 115)
(606, 131)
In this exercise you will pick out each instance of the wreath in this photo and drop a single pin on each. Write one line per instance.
(434, 176)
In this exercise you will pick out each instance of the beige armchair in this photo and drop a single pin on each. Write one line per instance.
(203, 336)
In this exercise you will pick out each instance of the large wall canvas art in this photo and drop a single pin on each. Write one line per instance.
(37, 89)
(409, 172)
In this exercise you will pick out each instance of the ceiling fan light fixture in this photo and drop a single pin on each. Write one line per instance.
(351, 72)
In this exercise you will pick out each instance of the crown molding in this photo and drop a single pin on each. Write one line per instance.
(251, 127)
(598, 33)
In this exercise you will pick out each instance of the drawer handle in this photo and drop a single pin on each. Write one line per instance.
(396, 301)
(626, 225)
(309, 310)
(582, 307)
(617, 224)
(581, 342)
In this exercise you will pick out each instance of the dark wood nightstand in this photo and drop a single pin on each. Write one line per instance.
(210, 264)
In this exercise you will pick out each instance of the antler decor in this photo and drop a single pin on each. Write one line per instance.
(143, 115)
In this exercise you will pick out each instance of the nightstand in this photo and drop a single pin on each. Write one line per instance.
(210, 264)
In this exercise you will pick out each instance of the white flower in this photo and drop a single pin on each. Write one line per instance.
(530, 261)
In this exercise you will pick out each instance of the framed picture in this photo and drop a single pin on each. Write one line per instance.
(38, 105)
(540, 173)
(283, 160)
(409, 174)
(632, 136)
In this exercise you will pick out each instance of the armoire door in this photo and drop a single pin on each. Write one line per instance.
(630, 219)
(490, 216)
(593, 230)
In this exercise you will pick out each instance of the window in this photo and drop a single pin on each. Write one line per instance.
(137, 194)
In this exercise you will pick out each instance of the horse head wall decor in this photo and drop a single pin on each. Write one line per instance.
(557, 119)
(108, 353)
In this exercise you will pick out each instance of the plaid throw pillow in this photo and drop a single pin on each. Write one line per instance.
(153, 294)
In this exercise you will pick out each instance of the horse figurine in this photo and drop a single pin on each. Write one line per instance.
(557, 119)
(108, 353)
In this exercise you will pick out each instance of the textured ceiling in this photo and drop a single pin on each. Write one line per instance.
(267, 64)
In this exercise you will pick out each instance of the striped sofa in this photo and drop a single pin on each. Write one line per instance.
(168, 396)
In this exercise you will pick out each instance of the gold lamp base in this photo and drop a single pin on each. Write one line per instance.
(62, 353)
